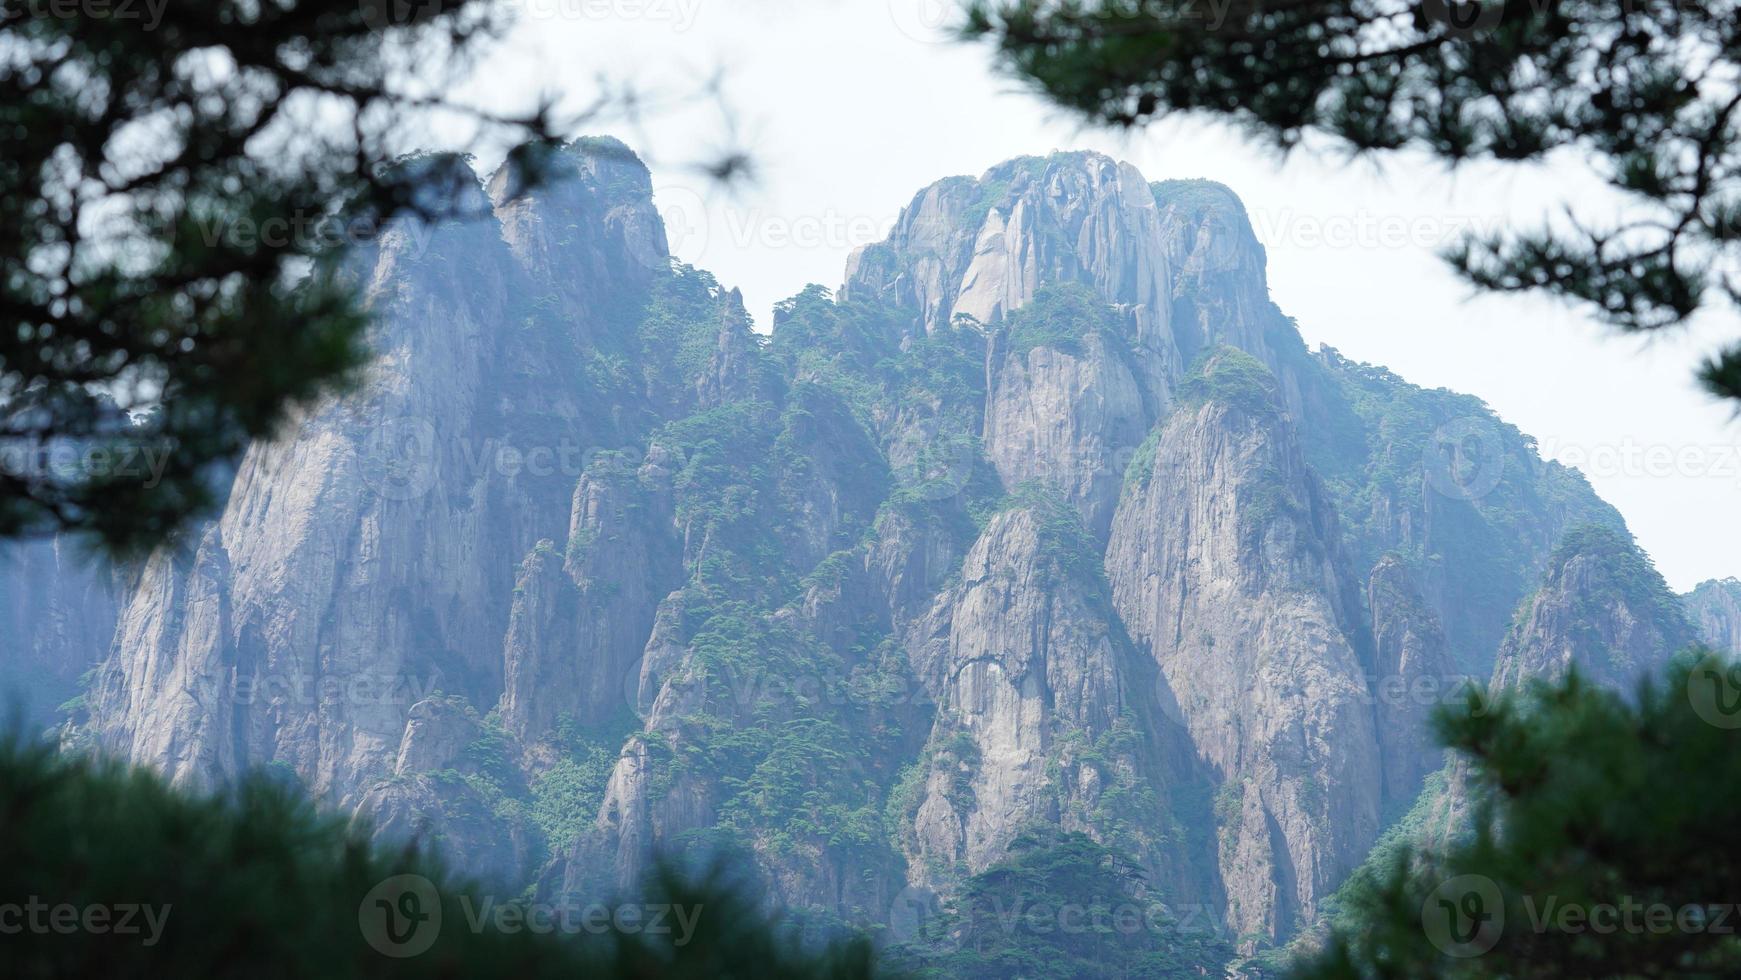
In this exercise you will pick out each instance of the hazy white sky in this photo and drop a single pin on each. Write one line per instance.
(850, 106)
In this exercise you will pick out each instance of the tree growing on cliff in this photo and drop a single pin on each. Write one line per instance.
(106, 871)
(1598, 846)
(172, 173)
(1646, 92)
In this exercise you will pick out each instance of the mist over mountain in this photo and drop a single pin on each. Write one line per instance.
(1043, 542)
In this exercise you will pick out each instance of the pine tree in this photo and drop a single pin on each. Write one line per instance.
(1645, 92)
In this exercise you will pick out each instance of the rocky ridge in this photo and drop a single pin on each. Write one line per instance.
(1047, 519)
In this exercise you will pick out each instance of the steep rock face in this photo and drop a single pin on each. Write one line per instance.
(1066, 413)
(910, 558)
(1413, 673)
(365, 558)
(579, 623)
(1436, 478)
(985, 247)
(1219, 293)
(1175, 265)
(1223, 564)
(1046, 714)
(57, 617)
(751, 679)
(1601, 606)
(1715, 608)
(429, 800)
(437, 732)
(1048, 520)
(177, 708)
(591, 234)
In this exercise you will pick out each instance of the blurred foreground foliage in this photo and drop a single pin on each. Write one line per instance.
(1598, 841)
(1642, 95)
(255, 882)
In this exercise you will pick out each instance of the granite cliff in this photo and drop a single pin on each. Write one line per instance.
(1046, 522)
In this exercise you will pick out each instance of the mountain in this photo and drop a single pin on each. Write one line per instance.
(1715, 609)
(1599, 607)
(1602, 607)
(1042, 543)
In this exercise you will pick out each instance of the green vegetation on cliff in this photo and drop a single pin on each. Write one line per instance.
(1596, 846)
(107, 871)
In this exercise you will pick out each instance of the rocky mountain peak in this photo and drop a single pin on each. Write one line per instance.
(1603, 607)
(1047, 520)
(983, 247)
(1714, 606)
